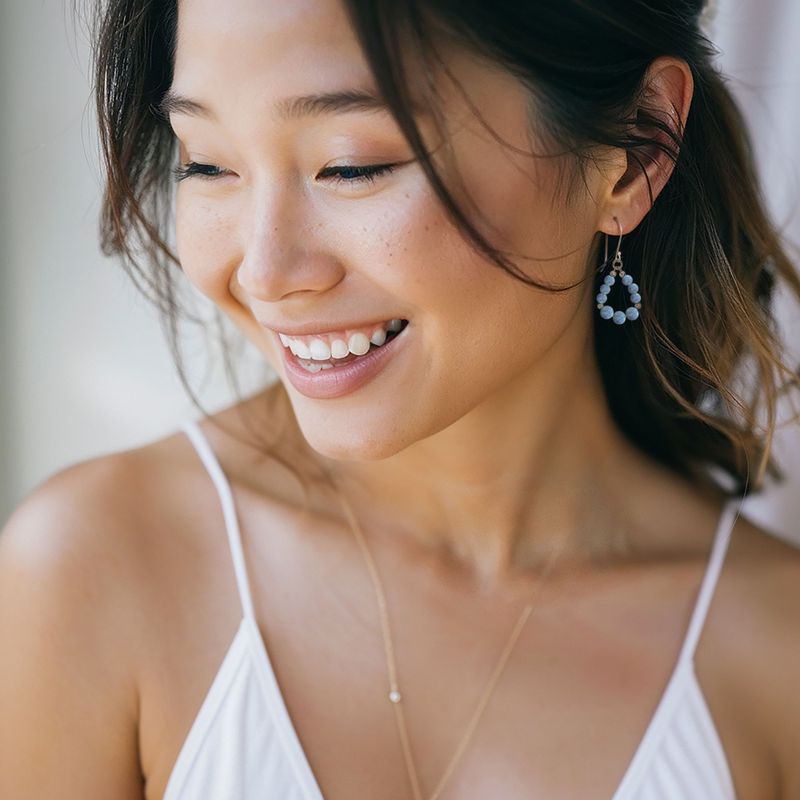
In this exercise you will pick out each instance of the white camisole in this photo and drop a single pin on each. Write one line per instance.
(242, 744)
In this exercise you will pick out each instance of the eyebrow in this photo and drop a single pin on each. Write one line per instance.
(290, 108)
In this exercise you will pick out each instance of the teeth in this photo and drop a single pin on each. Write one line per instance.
(339, 348)
(319, 350)
(312, 367)
(300, 349)
(358, 344)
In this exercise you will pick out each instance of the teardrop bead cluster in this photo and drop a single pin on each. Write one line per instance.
(606, 311)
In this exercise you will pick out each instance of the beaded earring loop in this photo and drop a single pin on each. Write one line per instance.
(606, 311)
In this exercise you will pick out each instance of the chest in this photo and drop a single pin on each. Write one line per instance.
(566, 718)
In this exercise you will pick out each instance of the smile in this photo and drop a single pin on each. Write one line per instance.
(342, 345)
(334, 376)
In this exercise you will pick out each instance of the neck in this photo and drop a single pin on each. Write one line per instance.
(536, 470)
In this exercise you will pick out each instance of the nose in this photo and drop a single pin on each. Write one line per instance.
(284, 252)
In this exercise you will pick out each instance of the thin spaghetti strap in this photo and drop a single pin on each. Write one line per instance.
(198, 439)
(727, 520)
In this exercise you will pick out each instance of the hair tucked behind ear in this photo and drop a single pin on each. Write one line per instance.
(691, 383)
(706, 255)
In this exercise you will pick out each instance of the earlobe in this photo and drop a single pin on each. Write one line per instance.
(666, 98)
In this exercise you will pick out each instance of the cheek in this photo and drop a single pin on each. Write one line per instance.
(519, 211)
(206, 244)
(437, 268)
(480, 326)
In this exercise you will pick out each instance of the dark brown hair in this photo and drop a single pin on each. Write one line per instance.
(706, 255)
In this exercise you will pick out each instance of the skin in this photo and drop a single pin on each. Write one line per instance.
(502, 445)
(482, 452)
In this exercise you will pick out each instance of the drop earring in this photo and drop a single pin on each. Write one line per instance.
(635, 299)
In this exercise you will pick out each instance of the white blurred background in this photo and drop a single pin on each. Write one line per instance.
(84, 367)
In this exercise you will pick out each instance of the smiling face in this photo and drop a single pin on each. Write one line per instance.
(279, 241)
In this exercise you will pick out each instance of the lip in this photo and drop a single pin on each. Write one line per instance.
(338, 381)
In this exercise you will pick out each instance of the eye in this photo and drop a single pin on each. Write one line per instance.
(344, 173)
(192, 169)
(356, 174)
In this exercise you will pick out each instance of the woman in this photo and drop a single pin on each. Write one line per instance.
(480, 538)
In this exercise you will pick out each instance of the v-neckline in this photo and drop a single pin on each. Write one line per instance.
(668, 701)
(280, 714)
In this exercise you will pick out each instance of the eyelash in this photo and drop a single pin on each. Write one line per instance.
(364, 173)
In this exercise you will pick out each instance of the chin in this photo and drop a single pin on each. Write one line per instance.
(359, 447)
(353, 438)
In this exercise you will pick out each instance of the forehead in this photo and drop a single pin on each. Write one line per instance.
(276, 45)
(241, 56)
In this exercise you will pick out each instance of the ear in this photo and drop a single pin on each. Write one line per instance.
(667, 94)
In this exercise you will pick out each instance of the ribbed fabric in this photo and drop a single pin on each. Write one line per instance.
(242, 744)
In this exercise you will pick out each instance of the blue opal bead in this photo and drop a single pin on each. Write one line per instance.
(606, 311)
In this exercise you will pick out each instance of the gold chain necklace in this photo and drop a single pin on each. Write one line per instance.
(395, 697)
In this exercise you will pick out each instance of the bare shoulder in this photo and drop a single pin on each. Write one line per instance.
(762, 629)
(77, 513)
(84, 528)
(71, 620)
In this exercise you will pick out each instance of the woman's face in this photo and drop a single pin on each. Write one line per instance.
(278, 243)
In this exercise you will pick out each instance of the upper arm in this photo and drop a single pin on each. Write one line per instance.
(788, 662)
(776, 658)
(68, 696)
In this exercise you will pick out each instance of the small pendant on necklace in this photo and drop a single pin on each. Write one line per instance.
(395, 696)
